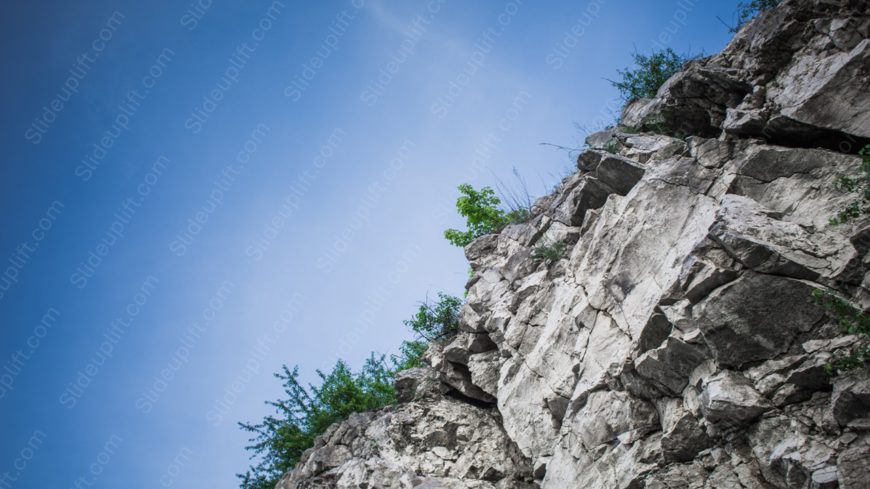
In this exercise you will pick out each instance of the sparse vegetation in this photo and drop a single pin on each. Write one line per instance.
(515, 197)
(410, 355)
(861, 186)
(852, 321)
(278, 442)
(548, 251)
(746, 11)
(482, 214)
(436, 321)
(649, 74)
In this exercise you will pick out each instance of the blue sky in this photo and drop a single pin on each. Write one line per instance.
(196, 193)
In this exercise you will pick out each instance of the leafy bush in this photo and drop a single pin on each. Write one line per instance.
(649, 74)
(860, 185)
(279, 441)
(548, 252)
(437, 321)
(482, 214)
(305, 413)
(410, 355)
(852, 321)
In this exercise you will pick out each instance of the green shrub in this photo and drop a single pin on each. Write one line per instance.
(410, 355)
(305, 413)
(649, 74)
(612, 146)
(859, 185)
(852, 321)
(482, 214)
(280, 439)
(437, 321)
(548, 252)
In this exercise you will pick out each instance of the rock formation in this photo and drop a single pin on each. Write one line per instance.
(676, 343)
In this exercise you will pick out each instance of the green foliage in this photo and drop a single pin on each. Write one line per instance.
(612, 146)
(437, 321)
(649, 74)
(548, 252)
(852, 321)
(746, 11)
(628, 129)
(482, 214)
(859, 185)
(278, 442)
(410, 355)
(306, 412)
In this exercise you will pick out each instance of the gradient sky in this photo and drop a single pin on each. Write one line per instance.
(197, 192)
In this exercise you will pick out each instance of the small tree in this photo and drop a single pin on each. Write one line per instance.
(280, 439)
(436, 321)
(410, 355)
(649, 74)
(482, 215)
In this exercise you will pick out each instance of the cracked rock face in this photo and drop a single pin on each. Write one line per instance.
(676, 344)
(429, 440)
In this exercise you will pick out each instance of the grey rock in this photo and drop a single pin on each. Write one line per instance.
(756, 317)
(435, 443)
(671, 364)
(614, 171)
(729, 399)
(851, 398)
(609, 416)
(853, 467)
(683, 436)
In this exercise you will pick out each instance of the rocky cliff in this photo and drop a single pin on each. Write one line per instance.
(675, 343)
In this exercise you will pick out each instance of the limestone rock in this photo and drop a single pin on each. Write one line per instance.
(729, 399)
(431, 443)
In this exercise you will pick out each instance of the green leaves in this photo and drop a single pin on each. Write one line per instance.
(860, 185)
(649, 74)
(306, 412)
(852, 321)
(548, 251)
(278, 442)
(482, 214)
(410, 355)
(436, 321)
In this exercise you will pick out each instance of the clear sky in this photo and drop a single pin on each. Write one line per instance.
(197, 192)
